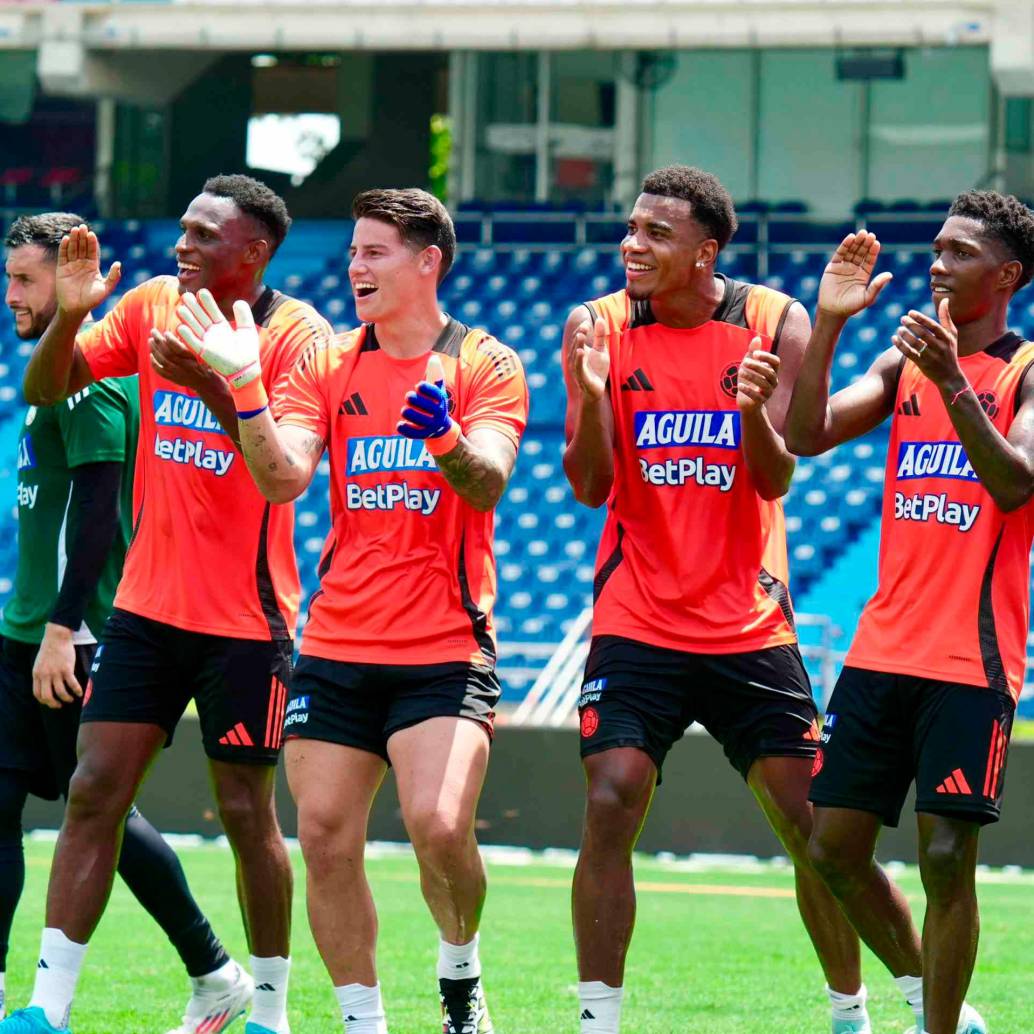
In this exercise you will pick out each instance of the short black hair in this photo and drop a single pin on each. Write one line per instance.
(45, 230)
(711, 202)
(420, 218)
(1007, 220)
(254, 198)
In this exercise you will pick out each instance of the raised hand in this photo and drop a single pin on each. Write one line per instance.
(230, 351)
(426, 412)
(757, 378)
(847, 286)
(933, 345)
(589, 358)
(79, 286)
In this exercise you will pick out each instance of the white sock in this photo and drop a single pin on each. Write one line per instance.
(912, 989)
(219, 979)
(599, 1007)
(269, 1007)
(361, 1008)
(459, 961)
(847, 1007)
(56, 975)
(3, 994)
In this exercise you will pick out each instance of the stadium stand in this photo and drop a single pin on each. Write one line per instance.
(522, 293)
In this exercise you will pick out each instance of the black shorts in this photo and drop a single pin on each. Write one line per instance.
(36, 740)
(146, 671)
(883, 731)
(755, 704)
(362, 705)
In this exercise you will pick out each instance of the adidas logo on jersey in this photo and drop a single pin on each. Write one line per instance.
(637, 382)
(910, 407)
(354, 406)
(955, 784)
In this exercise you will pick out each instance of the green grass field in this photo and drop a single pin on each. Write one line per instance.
(717, 950)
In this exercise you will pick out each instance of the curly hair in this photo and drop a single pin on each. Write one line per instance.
(45, 230)
(420, 218)
(712, 206)
(1005, 219)
(255, 199)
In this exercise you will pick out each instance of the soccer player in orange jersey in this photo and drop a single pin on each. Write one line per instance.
(208, 601)
(928, 691)
(421, 418)
(677, 390)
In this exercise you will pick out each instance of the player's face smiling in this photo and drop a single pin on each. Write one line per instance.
(219, 248)
(30, 290)
(660, 247)
(966, 269)
(385, 272)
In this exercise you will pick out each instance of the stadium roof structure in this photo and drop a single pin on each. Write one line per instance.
(114, 47)
(228, 25)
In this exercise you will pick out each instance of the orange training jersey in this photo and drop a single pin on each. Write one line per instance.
(407, 574)
(952, 601)
(691, 557)
(208, 553)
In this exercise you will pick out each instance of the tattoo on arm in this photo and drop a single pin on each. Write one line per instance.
(478, 471)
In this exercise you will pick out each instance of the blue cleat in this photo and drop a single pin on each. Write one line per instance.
(860, 1025)
(970, 1022)
(30, 1021)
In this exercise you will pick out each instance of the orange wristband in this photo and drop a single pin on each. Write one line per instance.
(251, 399)
(446, 443)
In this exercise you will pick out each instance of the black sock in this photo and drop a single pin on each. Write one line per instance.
(13, 792)
(154, 874)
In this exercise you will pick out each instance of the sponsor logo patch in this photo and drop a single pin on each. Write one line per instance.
(935, 508)
(934, 460)
(188, 451)
(173, 409)
(659, 429)
(591, 692)
(378, 454)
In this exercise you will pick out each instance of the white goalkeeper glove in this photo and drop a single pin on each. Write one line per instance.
(233, 352)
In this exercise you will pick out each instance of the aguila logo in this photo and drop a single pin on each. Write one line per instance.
(729, 379)
(988, 403)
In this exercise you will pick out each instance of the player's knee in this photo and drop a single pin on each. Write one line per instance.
(944, 867)
(246, 808)
(438, 837)
(98, 791)
(615, 804)
(837, 867)
(330, 840)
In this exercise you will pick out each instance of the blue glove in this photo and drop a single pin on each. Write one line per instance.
(426, 414)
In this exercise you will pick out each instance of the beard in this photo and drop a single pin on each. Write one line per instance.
(35, 329)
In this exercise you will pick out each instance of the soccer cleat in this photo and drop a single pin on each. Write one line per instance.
(970, 1022)
(251, 1027)
(30, 1021)
(858, 1026)
(212, 1011)
(463, 1007)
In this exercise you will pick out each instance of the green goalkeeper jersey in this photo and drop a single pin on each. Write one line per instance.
(96, 425)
